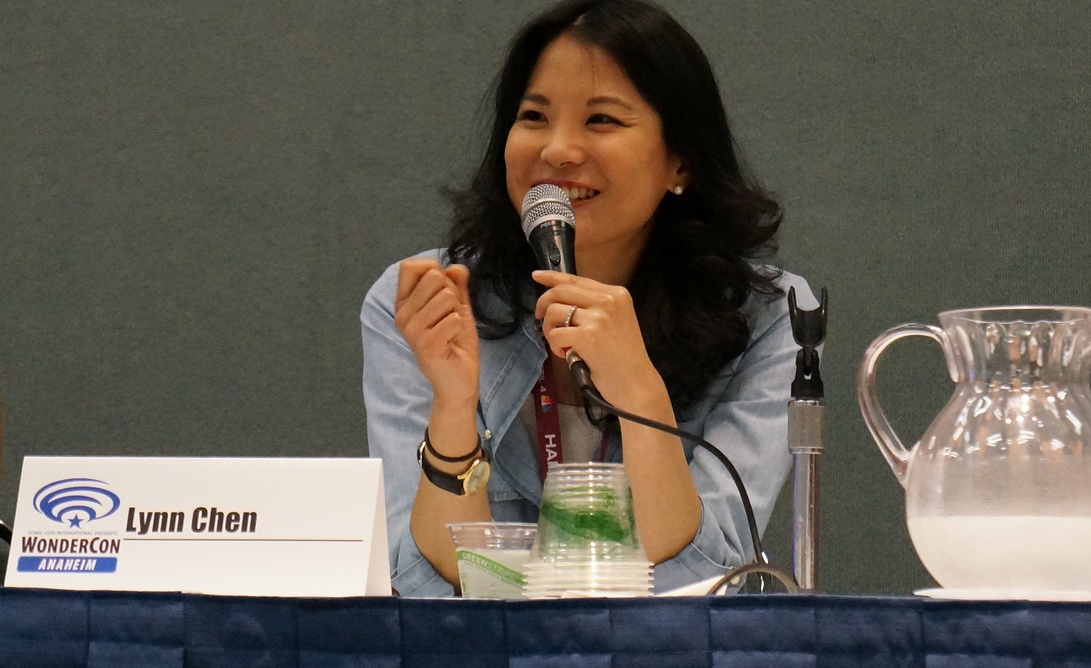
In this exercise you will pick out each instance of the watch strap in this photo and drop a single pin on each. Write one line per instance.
(450, 482)
(450, 460)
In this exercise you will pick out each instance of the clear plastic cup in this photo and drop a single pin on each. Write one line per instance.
(587, 539)
(491, 556)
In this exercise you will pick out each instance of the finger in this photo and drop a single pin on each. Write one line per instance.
(436, 342)
(583, 296)
(610, 300)
(556, 315)
(460, 276)
(556, 279)
(410, 272)
(584, 327)
(560, 339)
(426, 289)
(441, 305)
(552, 278)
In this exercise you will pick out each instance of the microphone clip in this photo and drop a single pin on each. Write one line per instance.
(809, 331)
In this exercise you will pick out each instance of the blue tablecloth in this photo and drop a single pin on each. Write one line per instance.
(46, 629)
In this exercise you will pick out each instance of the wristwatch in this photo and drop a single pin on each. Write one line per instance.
(469, 481)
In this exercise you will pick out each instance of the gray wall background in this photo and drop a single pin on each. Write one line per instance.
(195, 197)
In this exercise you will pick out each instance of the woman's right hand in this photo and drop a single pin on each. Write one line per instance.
(433, 313)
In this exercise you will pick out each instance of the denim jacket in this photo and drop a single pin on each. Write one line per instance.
(743, 412)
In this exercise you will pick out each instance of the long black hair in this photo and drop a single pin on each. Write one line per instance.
(696, 270)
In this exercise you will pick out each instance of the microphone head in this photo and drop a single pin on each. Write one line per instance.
(545, 203)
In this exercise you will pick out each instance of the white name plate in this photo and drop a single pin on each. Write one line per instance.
(231, 526)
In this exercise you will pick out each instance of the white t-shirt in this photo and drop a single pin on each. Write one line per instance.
(581, 441)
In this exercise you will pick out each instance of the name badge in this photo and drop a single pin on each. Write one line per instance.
(229, 526)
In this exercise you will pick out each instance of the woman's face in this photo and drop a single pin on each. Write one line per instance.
(583, 126)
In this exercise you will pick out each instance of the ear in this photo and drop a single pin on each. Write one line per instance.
(679, 175)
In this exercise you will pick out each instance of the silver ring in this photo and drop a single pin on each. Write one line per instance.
(568, 318)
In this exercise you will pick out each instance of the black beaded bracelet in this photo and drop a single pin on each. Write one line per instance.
(449, 460)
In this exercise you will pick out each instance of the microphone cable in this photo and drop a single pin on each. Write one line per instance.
(760, 564)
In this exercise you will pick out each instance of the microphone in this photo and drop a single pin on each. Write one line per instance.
(550, 227)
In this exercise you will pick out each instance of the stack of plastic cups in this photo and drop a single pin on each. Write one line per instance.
(587, 543)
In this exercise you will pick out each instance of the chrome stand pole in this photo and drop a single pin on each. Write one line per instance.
(807, 431)
(806, 441)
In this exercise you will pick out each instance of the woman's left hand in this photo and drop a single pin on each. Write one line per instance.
(604, 331)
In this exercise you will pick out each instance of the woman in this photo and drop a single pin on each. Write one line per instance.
(614, 102)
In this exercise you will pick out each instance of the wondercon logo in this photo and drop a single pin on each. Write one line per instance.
(73, 501)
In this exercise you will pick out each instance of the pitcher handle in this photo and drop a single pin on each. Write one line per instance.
(889, 444)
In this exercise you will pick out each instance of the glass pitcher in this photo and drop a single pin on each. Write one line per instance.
(998, 490)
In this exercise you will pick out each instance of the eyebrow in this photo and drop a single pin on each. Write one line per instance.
(609, 99)
(537, 98)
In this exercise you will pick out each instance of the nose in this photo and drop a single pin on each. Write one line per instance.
(563, 147)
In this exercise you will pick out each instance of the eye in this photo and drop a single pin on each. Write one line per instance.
(530, 116)
(602, 119)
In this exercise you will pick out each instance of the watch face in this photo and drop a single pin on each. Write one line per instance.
(478, 477)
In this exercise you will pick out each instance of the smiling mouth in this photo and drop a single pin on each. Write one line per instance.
(580, 194)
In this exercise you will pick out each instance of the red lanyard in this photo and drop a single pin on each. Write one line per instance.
(548, 418)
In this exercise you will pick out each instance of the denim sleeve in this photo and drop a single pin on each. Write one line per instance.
(748, 421)
(398, 399)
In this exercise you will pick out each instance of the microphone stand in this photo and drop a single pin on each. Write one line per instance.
(807, 435)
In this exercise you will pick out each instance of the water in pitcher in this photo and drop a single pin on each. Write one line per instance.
(998, 488)
(1024, 552)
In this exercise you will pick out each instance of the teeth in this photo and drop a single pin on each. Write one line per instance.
(579, 193)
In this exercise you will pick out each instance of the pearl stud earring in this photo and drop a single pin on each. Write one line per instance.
(678, 190)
